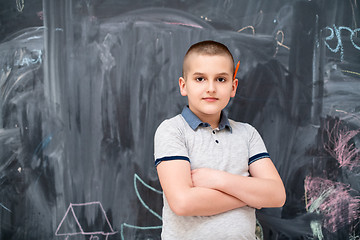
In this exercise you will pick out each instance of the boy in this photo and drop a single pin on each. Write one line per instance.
(213, 171)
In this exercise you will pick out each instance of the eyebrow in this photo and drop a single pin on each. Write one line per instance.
(199, 73)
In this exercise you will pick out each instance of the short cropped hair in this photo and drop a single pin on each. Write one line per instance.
(210, 48)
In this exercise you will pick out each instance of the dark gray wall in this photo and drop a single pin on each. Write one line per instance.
(84, 85)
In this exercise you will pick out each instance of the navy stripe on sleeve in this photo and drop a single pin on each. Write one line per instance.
(258, 156)
(159, 160)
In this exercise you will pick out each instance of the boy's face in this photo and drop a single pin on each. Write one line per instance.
(208, 83)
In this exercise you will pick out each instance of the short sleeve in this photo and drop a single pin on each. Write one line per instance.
(169, 142)
(257, 148)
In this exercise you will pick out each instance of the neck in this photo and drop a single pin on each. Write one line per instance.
(213, 120)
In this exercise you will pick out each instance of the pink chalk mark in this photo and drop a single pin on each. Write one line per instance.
(346, 154)
(337, 205)
(40, 15)
(82, 232)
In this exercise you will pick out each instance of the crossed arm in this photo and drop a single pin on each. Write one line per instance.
(206, 192)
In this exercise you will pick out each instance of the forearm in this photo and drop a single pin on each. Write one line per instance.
(264, 188)
(198, 201)
(255, 192)
(188, 200)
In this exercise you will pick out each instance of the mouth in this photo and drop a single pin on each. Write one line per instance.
(210, 99)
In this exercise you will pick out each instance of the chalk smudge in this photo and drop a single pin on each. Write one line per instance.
(333, 200)
(339, 145)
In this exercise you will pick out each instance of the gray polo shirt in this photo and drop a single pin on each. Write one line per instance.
(232, 147)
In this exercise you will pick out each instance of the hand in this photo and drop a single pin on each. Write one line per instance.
(206, 177)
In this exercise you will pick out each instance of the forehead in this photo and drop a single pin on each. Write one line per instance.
(203, 63)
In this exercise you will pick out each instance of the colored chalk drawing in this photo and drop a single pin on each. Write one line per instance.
(71, 225)
(125, 225)
(247, 27)
(351, 72)
(337, 35)
(340, 147)
(280, 42)
(334, 201)
(279, 38)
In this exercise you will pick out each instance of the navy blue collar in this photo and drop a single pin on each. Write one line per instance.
(194, 122)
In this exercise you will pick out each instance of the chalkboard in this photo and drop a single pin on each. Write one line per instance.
(84, 85)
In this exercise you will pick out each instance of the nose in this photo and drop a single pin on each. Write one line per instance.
(211, 87)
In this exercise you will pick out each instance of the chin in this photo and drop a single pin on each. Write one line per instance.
(212, 110)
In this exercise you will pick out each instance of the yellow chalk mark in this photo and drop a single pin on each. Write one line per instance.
(280, 43)
(280, 32)
(347, 71)
(251, 27)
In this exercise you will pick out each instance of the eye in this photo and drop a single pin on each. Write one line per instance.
(220, 79)
(200, 79)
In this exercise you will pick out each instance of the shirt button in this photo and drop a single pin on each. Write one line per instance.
(216, 141)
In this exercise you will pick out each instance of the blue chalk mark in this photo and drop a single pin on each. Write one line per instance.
(5, 208)
(136, 227)
(352, 40)
(330, 38)
(339, 46)
(42, 145)
(138, 179)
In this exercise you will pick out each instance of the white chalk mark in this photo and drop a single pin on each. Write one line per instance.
(353, 11)
(184, 24)
(259, 18)
(70, 214)
(20, 5)
(247, 27)
(206, 18)
(5, 208)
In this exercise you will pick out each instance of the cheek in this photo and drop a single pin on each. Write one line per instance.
(195, 90)
(228, 92)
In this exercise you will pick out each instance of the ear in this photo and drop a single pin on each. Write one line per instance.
(182, 85)
(234, 87)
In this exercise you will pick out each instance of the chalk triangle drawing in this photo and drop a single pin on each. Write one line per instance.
(85, 219)
(68, 224)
